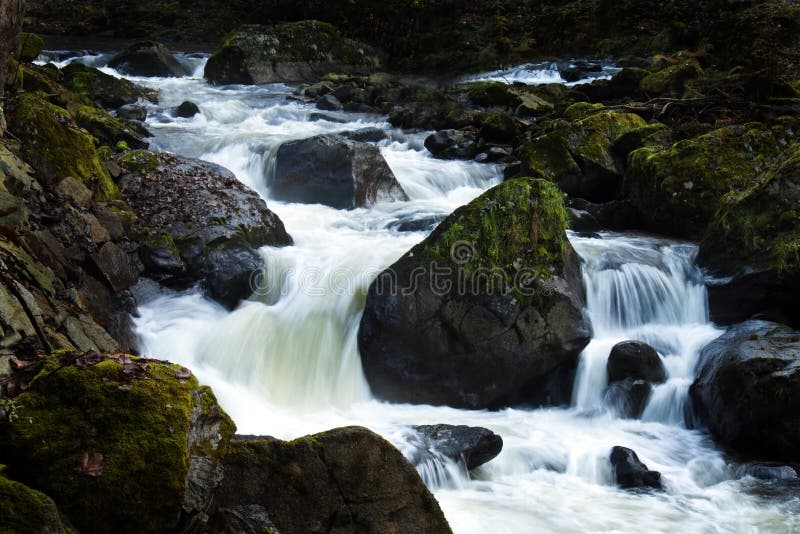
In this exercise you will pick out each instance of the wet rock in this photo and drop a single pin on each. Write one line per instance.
(452, 144)
(116, 267)
(245, 519)
(481, 342)
(414, 223)
(187, 110)
(329, 102)
(334, 171)
(294, 52)
(472, 446)
(747, 389)
(628, 397)
(78, 438)
(763, 471)
(132, 112)
(324, 117)
(631, 473)
(617, 215)
(109, 130)
(582, 221)
(197, 223)
(101, 88)
(636, 360)
(148, 58)
(366, 135)
(346, 479)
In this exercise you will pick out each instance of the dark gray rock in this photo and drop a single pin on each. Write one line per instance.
(469, 445)
(366, 135)
(334, 171)
(453, 144)
(637, 361)
(197, 223)
(631, 473)
(747, 390)
(329, 102)
(764, 471)
(187, 110)
(132, 112)
(148, 58)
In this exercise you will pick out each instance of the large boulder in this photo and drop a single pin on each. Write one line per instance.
(679, 189)
(752, 246)
(332, 170)
(344, 480)
(747, 390)
(636, 360)
(579, 156)
(118, 442)
(470, 446)
(197, 223)
(293, 52)
(452, 144)
(148, 58)
(101, 88)
(57, 148)
(486, 306)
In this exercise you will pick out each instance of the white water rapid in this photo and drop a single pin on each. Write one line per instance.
(285, 363)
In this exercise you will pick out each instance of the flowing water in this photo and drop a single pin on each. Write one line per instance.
(285, 363)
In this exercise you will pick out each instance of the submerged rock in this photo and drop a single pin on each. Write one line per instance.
(334, 171)
(471, 446)
(187, 110)
(293, 52)
(497, 306)
(348, 480)
(148, 58)
(197, 223)
(630, 472)
(747, 390)
(116, 440)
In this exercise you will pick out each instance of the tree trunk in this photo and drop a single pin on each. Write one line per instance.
(11, 13)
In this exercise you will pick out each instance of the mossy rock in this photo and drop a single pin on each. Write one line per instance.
(32, 46)
(646, 136)
(112, 439)
(107, 129)
(678, 189)
(101, 88)
(760, 226)
(301, 51)
(493, 94)
(671, 79)
(500, 128)
(23, 509)
(579, 156)
(57, 148)
(581, 110)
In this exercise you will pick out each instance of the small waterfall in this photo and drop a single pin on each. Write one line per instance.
(648, 290)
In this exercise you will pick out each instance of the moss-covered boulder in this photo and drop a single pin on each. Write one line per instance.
(671, 79)
(23, 509)
(32, 46)
(197, 224)
(293, 52)
(492, 94)
(55, 146)
(343, 480)
(499, 128)
(109, 130)
(747, 390)
(480, 312)
(579, 157)
(116, 440)
(679, 188)
(101, 88)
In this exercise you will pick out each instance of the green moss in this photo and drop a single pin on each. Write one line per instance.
(580, 110)
(32, 46)
(760, 225)
(548, 157)
(493, 94)
(139, 161)
(101, 88)
(23, 509)
(57, 148)
(130, 419)
(520, 224)
(680, 188)
(107, 129)
(671, 79)
(499, 128)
